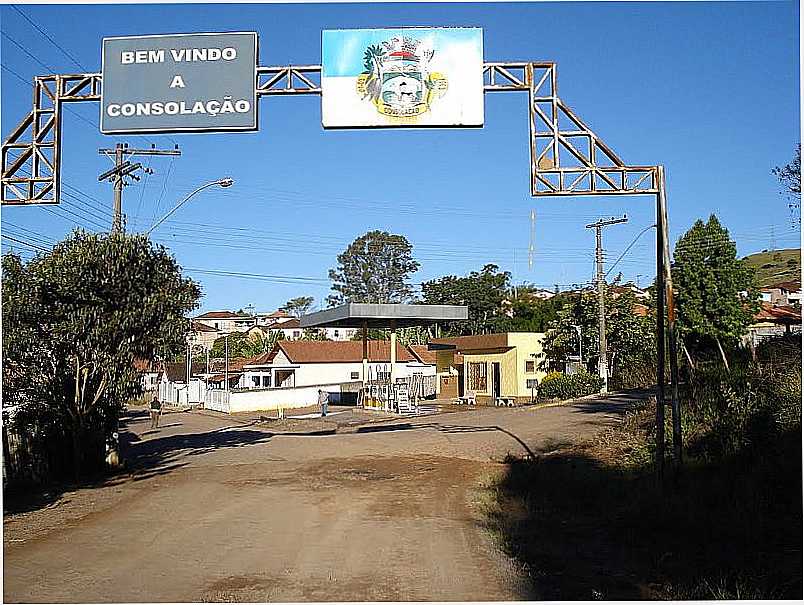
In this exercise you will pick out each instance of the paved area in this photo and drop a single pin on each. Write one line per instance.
(214, 509)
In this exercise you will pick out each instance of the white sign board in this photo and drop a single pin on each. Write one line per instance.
(402, 77)
(180, 82)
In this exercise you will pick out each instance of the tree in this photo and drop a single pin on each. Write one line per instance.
(531, 314)
(87, 309)
(790, 177)
(716, 293)
(484, 292)
(561, 338)
(375, 268)
(298, 306)
(241, 345)
(790, 174)
(630, 338)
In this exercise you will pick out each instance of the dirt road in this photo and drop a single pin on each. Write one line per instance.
(216, 510)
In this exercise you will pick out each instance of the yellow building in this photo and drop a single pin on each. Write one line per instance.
(493, 366)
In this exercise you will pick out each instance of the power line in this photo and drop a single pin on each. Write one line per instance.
(628, 248)
(52, 41)
(24, 243)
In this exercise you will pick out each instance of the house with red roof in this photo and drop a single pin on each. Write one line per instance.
(303, 363)
(774, 320)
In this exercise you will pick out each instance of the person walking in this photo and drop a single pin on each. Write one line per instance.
(156, 411)
(323, 401)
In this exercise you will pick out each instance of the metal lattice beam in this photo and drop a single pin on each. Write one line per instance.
(566, 156)
(31, 156)
(289, 80)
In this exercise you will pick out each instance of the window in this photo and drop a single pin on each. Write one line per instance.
(477, 377)
(296, 333)
(355, 375)
(532, 383)
(266, 381)
(384, 376)
(336, 333)
(255, 380)
(530, 366)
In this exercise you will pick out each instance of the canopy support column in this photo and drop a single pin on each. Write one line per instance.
(393, 354)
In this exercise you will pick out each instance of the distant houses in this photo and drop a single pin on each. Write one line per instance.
(782, 293)
(779, 313)
(212, 325)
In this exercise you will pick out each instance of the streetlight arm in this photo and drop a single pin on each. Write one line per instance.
(227, 182)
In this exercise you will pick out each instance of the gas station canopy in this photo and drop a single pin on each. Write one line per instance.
(359, 315)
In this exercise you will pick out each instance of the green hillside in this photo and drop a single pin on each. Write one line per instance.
(774, 267)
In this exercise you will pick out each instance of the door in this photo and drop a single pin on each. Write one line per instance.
(495, 380)
(449, 387)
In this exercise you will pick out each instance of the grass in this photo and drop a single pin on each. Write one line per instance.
(592, 522)
(776, 266)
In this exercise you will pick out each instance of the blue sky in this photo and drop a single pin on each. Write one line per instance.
(710, 90)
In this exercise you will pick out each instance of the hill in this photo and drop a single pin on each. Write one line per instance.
(776, 266)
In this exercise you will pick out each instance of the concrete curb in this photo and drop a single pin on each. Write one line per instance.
(553, 404)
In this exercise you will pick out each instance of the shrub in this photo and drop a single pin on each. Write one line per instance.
(745, 407)
(569, 386)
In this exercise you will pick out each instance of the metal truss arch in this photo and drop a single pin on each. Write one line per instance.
(566, 157)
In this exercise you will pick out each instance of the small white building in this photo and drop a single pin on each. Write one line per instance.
(226, 322)
(276, 317)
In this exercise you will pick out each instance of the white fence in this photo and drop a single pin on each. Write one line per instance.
(173, 393)
(218, 400)
(253, 400)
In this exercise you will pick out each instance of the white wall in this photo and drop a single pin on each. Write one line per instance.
(272, 399)
(342, 333)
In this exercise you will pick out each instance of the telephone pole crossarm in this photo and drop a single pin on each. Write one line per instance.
(121, 156)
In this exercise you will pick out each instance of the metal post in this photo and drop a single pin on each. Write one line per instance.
(580, 346)
(393, 357)
(671, 322)
(365, 361)
(578, 329)
(660, 361)
(226, 355)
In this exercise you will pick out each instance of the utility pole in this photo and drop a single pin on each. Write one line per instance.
(124, 168)
(602, 364)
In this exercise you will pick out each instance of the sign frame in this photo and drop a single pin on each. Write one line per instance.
(190, 129)
(412, 125)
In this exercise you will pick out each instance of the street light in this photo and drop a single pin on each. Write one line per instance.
(580, 344)
(225, 182)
